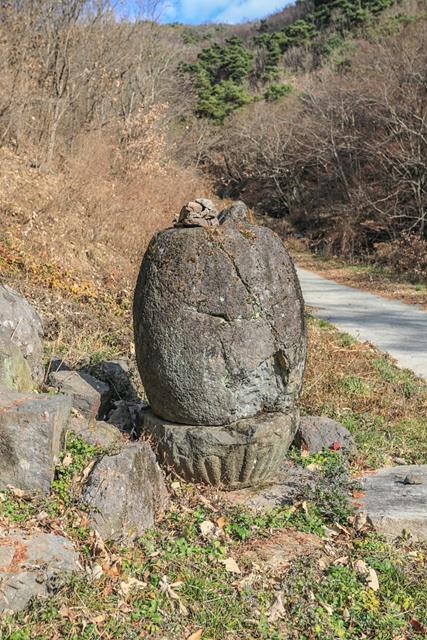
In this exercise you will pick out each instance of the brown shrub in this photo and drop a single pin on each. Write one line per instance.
(406, 256)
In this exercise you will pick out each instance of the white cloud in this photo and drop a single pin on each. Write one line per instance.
(199, 11)
(248, 10)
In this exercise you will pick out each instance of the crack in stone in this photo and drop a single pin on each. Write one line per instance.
(211, 314)
(255, 299)
(281, 362)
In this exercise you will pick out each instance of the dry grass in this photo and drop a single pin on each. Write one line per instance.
(384, 406)
(95, 215)
(71, 241)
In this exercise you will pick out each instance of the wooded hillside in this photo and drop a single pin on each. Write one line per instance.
(316, 115)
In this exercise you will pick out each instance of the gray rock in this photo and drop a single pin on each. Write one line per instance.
(246, 453)
(33, 564)
(291, 482)
(20, 322)
(125, 492)
(32, 429)
(127, 416)
(316, 433)
(15, 372)
(237, 212)
(199, 213)
(392, 505)
(89, 395)
(96, 432)
(219, 324)
(118, 374)
(57, 364)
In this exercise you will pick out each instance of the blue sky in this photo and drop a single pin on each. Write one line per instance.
(232, 11)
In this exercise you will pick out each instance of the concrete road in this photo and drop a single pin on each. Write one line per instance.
(393, 326)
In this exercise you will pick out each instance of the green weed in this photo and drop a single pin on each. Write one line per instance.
(354, 385)
(73, 460)
(404, 380)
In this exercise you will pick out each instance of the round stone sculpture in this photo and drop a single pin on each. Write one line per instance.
(219, 321)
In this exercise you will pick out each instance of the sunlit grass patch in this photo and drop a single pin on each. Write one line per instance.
(383, 406)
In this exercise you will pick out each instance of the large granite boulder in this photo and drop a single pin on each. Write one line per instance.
(21, 323)
(219, 323)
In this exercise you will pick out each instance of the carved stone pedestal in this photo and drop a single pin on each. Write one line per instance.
(242, 454)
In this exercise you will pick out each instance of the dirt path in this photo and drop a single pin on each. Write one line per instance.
(397, 328)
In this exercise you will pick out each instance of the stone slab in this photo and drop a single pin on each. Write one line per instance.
(96, 432)
(245, 453)
(392, 506)
(291, 483)
(126, 416)
(122, 377)
(33, 564)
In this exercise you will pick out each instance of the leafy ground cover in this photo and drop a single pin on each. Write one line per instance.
(190, 577)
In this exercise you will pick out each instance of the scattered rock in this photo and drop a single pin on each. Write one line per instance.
(236, 212)
(32, 429)
(33, 564)
(316, 433)
(118, 374)
(96, 432)
(413, 478)
(21, 323)
(125, 492)
(361, 567)
(15, 372)
(199, 213)
(277, 610)
(89, 395)
(219, 324)
(292, 482)
(245, 453)
(127, 416)
(392, 504)
(280, 548)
